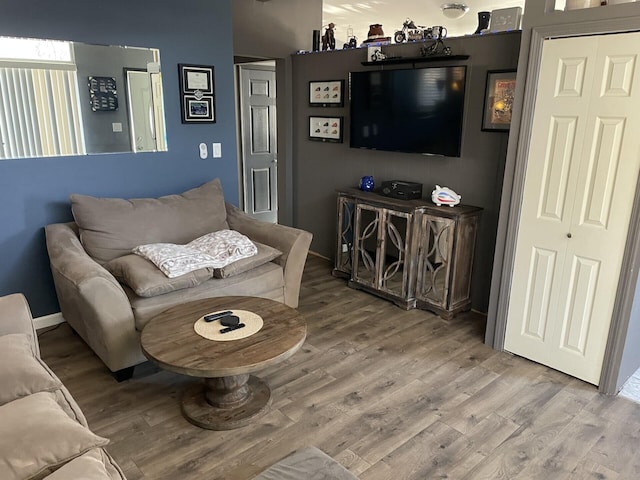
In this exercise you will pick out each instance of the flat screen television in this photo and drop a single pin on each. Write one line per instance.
(415, 111)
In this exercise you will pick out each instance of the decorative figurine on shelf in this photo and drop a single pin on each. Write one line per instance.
(377, 55)
(366, 183)
(410, 32)
(445, 196)
(352, 43)
(376, 35)
(483, 22)
(328, 39)
(438, 33)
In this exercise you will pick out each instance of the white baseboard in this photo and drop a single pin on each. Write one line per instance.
(316, 254)
(48, 320)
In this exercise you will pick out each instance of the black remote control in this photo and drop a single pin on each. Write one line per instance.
(216, 316)
(231, 329)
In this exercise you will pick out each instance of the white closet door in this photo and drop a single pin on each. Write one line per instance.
(583, 163)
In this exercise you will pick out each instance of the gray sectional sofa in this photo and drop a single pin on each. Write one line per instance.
(43, 432)
(108, 295)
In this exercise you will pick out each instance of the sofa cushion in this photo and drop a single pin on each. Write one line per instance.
(112, 227)
(265, 254)
(93, 465)
(21, 371)
(265, 281)
(37, 437)
(144, 278)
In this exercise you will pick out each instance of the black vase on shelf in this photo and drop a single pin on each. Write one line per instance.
(483, 22)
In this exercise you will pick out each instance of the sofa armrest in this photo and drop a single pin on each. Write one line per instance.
(15, 317)
(292, 242)
(91, 299)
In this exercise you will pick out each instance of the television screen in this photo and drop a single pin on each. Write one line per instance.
(415, 111)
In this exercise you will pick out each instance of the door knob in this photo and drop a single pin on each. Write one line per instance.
(568, 235)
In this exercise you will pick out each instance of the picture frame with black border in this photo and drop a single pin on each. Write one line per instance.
(326, 129)
(328, 93)
(498, 100)
(197, 93)
(195, 78)
(198, 109)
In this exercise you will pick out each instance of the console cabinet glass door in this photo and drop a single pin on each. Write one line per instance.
(344, 251)
(434, 260)
(380, 249)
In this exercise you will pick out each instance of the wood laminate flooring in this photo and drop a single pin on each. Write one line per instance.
(390, 394)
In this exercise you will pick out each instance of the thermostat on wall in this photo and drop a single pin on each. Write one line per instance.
(504, 19)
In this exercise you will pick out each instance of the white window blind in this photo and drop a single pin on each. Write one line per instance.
(39, 113)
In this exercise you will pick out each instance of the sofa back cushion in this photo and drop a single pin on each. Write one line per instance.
(22, 372)
(111, 227)
(38, 437)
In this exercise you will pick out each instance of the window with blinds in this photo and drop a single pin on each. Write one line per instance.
(39, 105)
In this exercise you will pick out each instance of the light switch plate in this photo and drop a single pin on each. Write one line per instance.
(217, 150)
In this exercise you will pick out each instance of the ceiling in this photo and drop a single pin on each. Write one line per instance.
(392, 13)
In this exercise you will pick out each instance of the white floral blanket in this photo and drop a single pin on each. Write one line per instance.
(215, 250)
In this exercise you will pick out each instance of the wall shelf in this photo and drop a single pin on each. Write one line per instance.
(414, 60)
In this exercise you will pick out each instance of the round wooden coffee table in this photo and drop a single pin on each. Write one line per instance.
(229, 397)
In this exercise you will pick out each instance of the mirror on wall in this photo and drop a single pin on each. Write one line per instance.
(69, 98)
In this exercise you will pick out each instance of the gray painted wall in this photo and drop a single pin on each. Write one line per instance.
(631, 355)
(275, 28)
(320, 168)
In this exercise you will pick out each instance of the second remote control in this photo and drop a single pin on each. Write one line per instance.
(216, 316)
(231, 329)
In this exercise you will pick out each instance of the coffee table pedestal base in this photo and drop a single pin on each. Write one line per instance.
(226, 403)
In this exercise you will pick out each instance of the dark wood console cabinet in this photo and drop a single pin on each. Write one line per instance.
(411, 252)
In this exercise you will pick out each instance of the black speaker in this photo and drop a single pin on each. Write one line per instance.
(401, 189)
(316, 41)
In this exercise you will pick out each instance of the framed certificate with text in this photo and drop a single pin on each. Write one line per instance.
(197, 93)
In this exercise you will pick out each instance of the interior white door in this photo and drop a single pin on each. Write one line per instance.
(582, 169)
(259, 142)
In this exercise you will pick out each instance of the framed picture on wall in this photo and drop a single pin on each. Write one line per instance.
(325, 129)
(197, 93)
(498, 100)
(329, 93)
(198, 109)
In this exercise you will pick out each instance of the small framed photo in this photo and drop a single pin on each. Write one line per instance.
(498, 100)
(197, 93)
(326, 129)
(326, 94)
(198, 109)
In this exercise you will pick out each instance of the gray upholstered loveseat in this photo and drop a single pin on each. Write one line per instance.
(108, 295)
(43, 432)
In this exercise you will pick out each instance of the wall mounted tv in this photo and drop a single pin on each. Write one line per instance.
(415, 111)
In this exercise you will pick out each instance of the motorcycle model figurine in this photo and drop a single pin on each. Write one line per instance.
(410, 32)
(352, 43)
(328, 39)
(438, 33)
